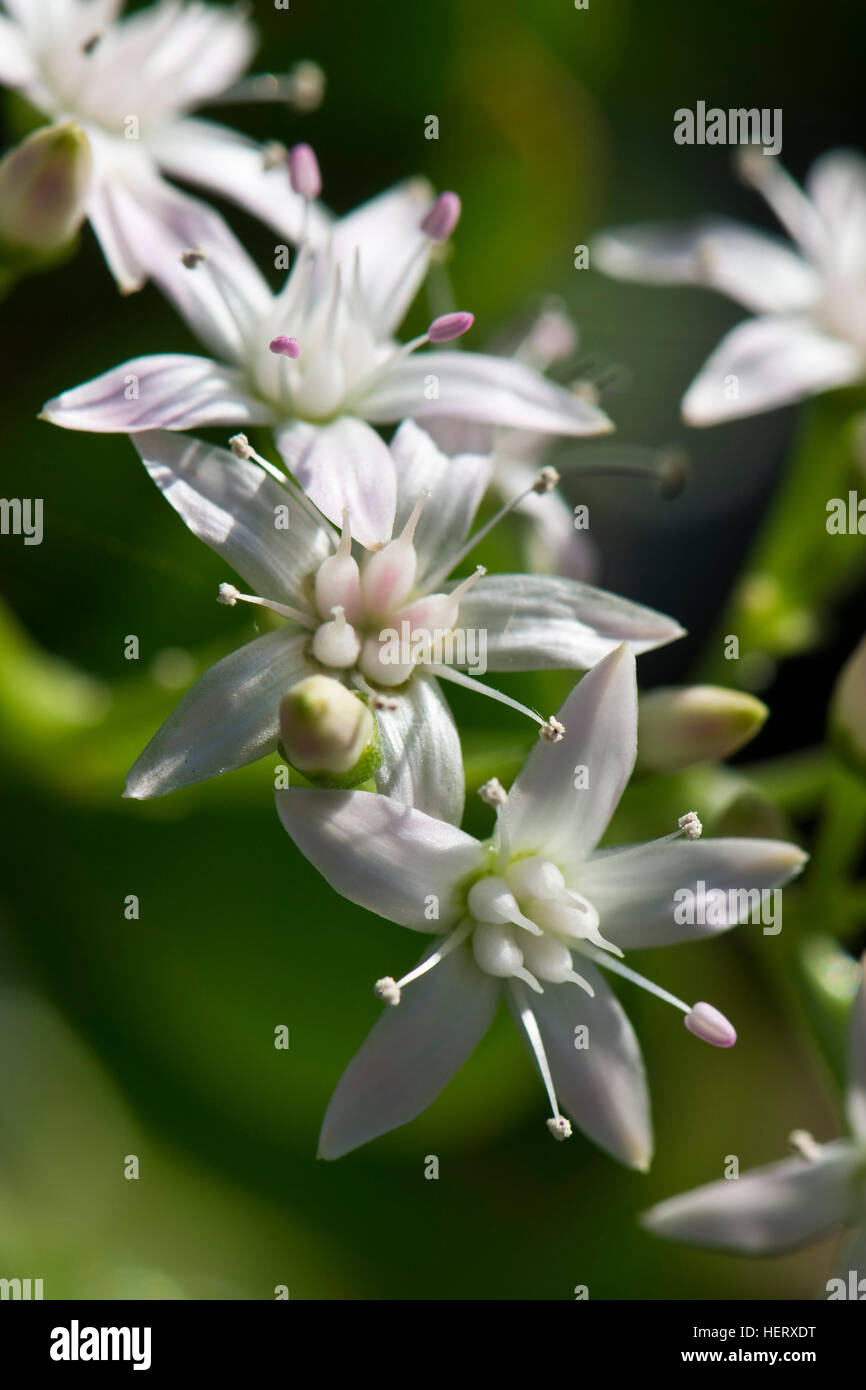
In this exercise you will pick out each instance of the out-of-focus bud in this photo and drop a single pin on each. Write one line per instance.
(682, 725)
(44, 183)
(329, 733)
(848, 710)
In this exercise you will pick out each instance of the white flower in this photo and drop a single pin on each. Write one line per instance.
(318, 363)
(339, 601)
(534, 912)
(809, 335)
(129, 84)
(786, 1204)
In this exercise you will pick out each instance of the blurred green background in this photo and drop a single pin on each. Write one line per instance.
(155, 1037)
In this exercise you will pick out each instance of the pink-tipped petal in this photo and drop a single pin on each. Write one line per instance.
(304, 172)
(450, 326)
(285, 347)
(711, 1026)
(442, 217)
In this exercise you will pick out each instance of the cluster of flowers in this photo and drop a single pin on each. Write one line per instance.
(350, 537)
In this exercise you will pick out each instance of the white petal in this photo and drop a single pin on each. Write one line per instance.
(16, 63)
(231, 164)
(772, 1209)
(455, 487)
(422, 763)
(228, 718)
(602, 1086)
(344, 464)
(393, 252)
(232, 505)
(114, 220)
(634, 893)
(170, 391)
(762, 272)
(856, 1095)
(765, 363)
(411, 1054)
(474, 386)
(543, 623)
(545, 813)
(382, 855)
(837, 186)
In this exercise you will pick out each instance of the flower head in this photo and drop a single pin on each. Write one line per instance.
(389, 621)
(536, 913)
(809, 298)
(317, 361)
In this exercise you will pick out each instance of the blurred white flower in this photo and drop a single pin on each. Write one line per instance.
(809, 335)
(340, 603)
(129, 82)
(533, 912)
(789, 1203)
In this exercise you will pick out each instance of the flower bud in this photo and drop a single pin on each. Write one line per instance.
(680, 726)
(329, 733)
(848, 710)
(44, 183)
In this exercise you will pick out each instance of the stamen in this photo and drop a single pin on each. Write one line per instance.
(274, 155)
(193, 256)
(546, 481)
(710, 1025)
(493, 792)
(558, 1125)
(450, 673)
(442, 218)
(805, 1145)
(304, 174)
(285, 347)
(229, 595)
(689, 826)
(668, 469)
(616, 966)
(242, 448)
(552, 731)
(450, 326)
(390, 991)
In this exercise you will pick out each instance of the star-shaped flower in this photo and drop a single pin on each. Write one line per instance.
(129, 83)
(799, 1199)
(809, 333)
(347, 613)
(318, 362)
(532, 914)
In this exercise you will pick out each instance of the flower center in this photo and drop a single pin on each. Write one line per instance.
(368, 618)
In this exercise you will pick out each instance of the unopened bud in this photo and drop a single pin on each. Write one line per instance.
(442, 218)
(682, 725)
(44, 183)
(450, 326)
(304, 171)
(848, 710)
(329, 733)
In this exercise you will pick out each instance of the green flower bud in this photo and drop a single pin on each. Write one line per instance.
(682, 725)
(329, 733)
(44, 183)
(848, 710)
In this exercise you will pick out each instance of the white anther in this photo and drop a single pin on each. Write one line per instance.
(274, 155)
(546, 481)
(228, 595)
(552, 731)
(493, 792)
(388, 991)
(805, 1144)
(559, 1127)
(690, 825)
(240, 446)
